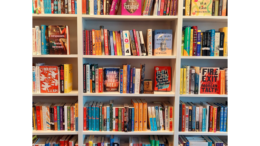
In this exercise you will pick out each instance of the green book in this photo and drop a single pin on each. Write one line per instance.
(156, 139)
(152, 141)
(111, 115)
(186, 50)
(68, 116)
(120, 119)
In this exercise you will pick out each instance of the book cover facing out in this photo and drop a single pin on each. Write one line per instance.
(131, 7)
(58, 39)
(49, 79)
(162, 78)
(163, 42)
(111, 79)
(201, 8)
(209, 83)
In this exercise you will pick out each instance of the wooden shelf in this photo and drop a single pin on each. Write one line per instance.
(128, 133)
(54, 132)
(56, 56)
(72, 93)
(204, 133)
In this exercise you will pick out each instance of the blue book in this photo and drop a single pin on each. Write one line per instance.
(44, 45)
(225, 119)
(157, 117)
(89, 116)
(212, 41)
(55, 8)
(75, 2)
(133, 81)
(221, 123)
(58, 117)
(133, 119)
(204, 119)
(112, 140)
(108, 118)
(121, 80)
(198, 43)
(59, 8)
(95, 7)
(49, 6)
(122, 43)
(128, 79)
(154, 121)
(76, 124)
(162, 42)
(97, 117)
(111, 43)
(193, 120)
(94, 116)
(151, 122)
(180, 117)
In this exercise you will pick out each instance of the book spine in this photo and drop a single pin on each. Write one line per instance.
(215, 119)
(186, 51)
(191, 42)
(193, 118)
(137, 81)
(187, 118)
(61, 118)
(44, 44)
(158, 7)
(165, 7)
(142, 76)
(171, 118)
(129, 125)
(95, 7)
(123, 121)
(212, 42)
(143, 49)
(183, 117)
(84, 118)
(58, 117)
(224, 8)
(154, 119)
(84, 78)
(38, 117)
(139, 44)
(101, 118)
(87, 47)
(84, 42)
(180, 117)
(72, 123)
(97, 79)
(102, 37)
(84, 4)
(106, 42)
(149, 42)
(97, 118)
(184, 81)
(204, 120)
(87, 6)
(225, 120)
(39, 43)
(118, 43)
(198, 43)
(181, 81)
(93, 77)
(171, 8)
(187, 79)
(222, 120)
(126, 43)
(131, 81)
(213, 8)
(116, 120)
(92, 122)
(161, 118)
(114, 41)
(200, 119)
(61, 78)
(133, 121)
(210, 118)
(195, 34)
(111, 116)
(88, 78)
(140, 116)
(113, 7)
(136, 116)
(161, 7)
(100, 74)
(217, 41)
(122, 43)
(119, 128)
(105, 119)
(94, 52)
(121, 80)
(136, 43)
(111, 42)
(124, 78)
(221, 44)
(187, 8)
(132, 43)
(197, 118)
(128, 79)
(168, 7)
(150, 7)
(190, 118)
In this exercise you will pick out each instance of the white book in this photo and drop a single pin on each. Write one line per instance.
(187, 119)
(68, 40)
(130, 141)
(33, 41)
(44, 117)
(158, 6)
(217, 41)
(138, 42)
(39, 46)
(197, 117)
(149, 42)
(187, 79)
(59, 7)
(65, 117)
(137, 80)
(42, 7)
(166, 122)
(126, 43)
(207, 115)
(114, 118)
(104, 6)
(91, 7)
(39, 6)
(155, 8)
(161, 118)
(69, 6)
(88, 78)
(142, 42)
(48, 118)
(37, 28)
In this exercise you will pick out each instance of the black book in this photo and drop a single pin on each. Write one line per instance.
(52, 118)
(142, 78)
(190, 117)
(126, 117)
(84, 42)
(84, 78)
(129, 128)
(221, 44)
(204, 44)
(102, 39)
(218, 117)
(220, 7)
(208, 43)
(87, 6)
(90, 43)
(61, 78)
(66, 7)
(213, 8)
(107, 7)
(108, 41)
(93, 77)
(180, 117)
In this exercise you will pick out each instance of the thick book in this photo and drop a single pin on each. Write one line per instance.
(162, 78)
(111, 79)
(163, 42)
(58, 39)
(132, 43)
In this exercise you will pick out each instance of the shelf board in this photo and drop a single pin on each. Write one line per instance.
(203, 57)
(54, 132)
(124, 17)
(204, 133)
(72, 93)
(128, 57)
(156, 94)
(55, 16)
(206, 18)
(148, 132)
(204, 95)
(56, 56)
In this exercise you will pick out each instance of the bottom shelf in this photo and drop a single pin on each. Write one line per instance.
(62, 132)
(204, 133)
(148, 132)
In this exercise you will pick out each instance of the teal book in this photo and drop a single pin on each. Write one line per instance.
(151, 122)
(186, 50)
(204, 110)
(154, 121)
(100, 117)
(44, 40)
(212, 41)
(97, 117)
(93, 116)
(58, 117)
(108, 118)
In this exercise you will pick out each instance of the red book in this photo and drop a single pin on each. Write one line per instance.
(84, 6)
(72, 118)
(85, 118)
(122, 124)
(72, 7)
(162, 78)
(106, 42)
(100, 80)
(55, 118)
(195, 32)
(49, 79)
(66, 142)
(168, 7)
(136, 43)
(38, 116)
(215, 119)
(87, 43)
(171, 117)
(162, 7)
(52, 6)
(116, 113)
(183, 117)
(175, 7)
(210, 118)
(99, 144)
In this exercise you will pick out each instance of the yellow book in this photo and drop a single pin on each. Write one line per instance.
(187, 8)
(201, 38)
(135, 104)
(191, 42)
(144, 114)
(33, 113)
(181, 81)
(225, 46)
(184, 81)
(67, 78)
(140, 115)
(213, 117)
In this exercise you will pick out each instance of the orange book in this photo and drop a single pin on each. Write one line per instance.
(222, 81)
(144, 114)
(90, 85)
(96, 42)
(118, 44)
(170, 117)
(41, 118)
(124, 78)
(100, 78)
(140, 115)
(83, 6)
(93, 42)
(99, 42)
(135, 103)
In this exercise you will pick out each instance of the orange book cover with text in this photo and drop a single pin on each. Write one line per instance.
(49, 79)
(170, 115)
(93, 42)
(144, 114)
(140, 115)
(41, 118)
(90, 85)
(135, 104)
(124, 78)
(222, 80)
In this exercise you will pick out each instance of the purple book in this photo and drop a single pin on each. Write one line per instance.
(61, 118)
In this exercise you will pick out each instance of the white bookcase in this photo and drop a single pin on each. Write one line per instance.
(79, 22)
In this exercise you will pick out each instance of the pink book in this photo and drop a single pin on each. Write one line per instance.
(114, 7)
(136, 43)
(200, 119)
(131, 7)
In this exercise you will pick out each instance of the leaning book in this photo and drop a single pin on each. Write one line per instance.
(111, 79)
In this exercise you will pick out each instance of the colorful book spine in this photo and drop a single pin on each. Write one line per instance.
(191, 42)
(204, 120)
(121, 80)
(136, 43)
(186, 51)
(195, 34)
(133, 120)
(88, 77)
(111, 43)
(114, 41)
(198, 43)
(95, 7)
(193, 118)
(108, 118)
(58, 117)
(124, 78)
(69, 6)
(97, 79)
(212, 42)
(149, 42)
(100, 78)
(97, 112)
(126, 43)
(93, 119)
(131, 81)
(181, 81)
(142, 76)
(217, 41)
(225, 119)
(106, 42)
(128, 79)
(122, 43)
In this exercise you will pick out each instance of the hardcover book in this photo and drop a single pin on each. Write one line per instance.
(162, 78)
(111, 79)
(49, 79)
(209, 83)
(58, 42)
(201, 8)
(163, 42)
(131, 7)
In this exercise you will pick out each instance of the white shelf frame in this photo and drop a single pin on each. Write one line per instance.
(79, 17)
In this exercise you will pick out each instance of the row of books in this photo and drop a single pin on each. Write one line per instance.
(127, 80)
(204, 80)
(50, 39)
(205, 8)
(51, 79)
(54, 6)
(59, 116)
(202, 141)
(203, 117)
(99, 116)
(127, 42)
(111, 7)
(208, 43)
(66, 140)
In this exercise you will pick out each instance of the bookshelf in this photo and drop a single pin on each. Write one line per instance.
(78, 22)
